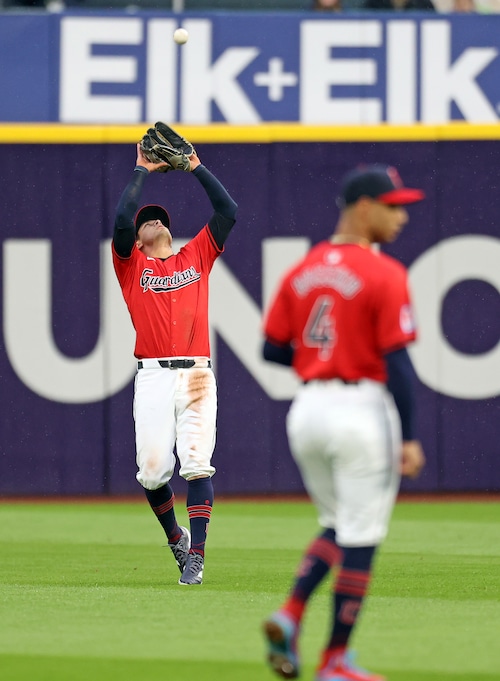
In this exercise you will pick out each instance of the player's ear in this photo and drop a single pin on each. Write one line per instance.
(364, 205)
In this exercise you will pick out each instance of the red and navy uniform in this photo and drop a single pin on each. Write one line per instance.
(342, 309)
(168, 298)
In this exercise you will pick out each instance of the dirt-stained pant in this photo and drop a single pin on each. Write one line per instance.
(174, 409)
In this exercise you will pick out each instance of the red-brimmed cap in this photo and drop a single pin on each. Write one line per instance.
(151, 212)
(378, 182)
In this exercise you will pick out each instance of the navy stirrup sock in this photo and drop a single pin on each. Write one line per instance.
(200, 498)
(162, 502)
(350, 590)
(317, 561)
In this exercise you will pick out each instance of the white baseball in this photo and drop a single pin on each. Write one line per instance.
(181, 36)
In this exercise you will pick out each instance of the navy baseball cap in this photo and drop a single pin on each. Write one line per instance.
(151, 212)
(377, 182)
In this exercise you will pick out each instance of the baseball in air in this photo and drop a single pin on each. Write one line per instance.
(181, 36)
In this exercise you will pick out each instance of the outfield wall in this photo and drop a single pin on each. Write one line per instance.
(67, 367)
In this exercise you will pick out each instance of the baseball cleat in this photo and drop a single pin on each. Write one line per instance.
(341, 668)
(281, 633)
(181, 548)
(193, 571)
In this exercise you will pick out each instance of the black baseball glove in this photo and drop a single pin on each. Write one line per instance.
(162, 144)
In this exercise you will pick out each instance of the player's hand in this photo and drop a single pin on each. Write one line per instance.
(144, 163)
(412, 459)
(194, 161)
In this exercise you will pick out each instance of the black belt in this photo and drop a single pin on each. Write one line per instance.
(337, 378)
(176, 364)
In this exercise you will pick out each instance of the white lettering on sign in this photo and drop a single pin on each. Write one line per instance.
(321, 72)
(161, 74)
(402, 72)
(111, 366)
(437, 363)
(80, 69)
(275, 79)
(359, 71)
(204, 82)
(236, 318)
(444, 82)
(29, 340)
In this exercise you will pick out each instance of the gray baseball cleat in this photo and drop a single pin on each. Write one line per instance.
(193, 572)
(181, 548)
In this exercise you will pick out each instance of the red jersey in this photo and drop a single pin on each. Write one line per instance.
(342, 308)
(168, 299)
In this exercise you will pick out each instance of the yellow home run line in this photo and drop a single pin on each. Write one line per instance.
(220, 133)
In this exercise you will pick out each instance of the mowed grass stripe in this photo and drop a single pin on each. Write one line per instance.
(83, 669)
(91, 591)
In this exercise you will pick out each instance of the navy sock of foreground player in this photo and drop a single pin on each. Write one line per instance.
(350, 589)
(162, 502)
(200, 499)
(319, 558)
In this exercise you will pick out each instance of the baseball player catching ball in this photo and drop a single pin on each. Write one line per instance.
(342, 318)
(175, 398)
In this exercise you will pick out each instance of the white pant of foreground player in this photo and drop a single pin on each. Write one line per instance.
(346, 441)
(174, 408)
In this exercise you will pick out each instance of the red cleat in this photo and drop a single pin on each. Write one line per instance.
(341, 668)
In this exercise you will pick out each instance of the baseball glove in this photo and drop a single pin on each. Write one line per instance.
(162, 144)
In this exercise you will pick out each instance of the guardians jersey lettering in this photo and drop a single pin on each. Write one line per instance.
(168, 283)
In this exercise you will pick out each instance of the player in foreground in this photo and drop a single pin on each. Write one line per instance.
(342, 319)
(175, 395)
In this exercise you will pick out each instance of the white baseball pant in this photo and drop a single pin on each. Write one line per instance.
(174, 408)
(346, 441)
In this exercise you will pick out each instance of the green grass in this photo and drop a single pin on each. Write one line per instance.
(89, 592)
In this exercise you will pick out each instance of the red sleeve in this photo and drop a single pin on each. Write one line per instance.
(124, 267)
(396, 326)
(204, 244)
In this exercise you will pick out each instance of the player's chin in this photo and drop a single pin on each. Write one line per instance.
(392, 236)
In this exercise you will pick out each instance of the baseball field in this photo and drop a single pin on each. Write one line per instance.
(88, 591)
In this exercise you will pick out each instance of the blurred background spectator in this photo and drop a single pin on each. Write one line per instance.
(400, 5)
(468, 6)
(451, 6)
(464, 6)
(327, 5)
(24, 3)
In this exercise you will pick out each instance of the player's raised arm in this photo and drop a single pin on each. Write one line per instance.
(124, 235)
(164, 143)
(224, 206)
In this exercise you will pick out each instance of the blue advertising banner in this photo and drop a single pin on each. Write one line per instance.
(249, 68)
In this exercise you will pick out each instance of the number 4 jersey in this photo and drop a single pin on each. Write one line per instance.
(342, 308)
